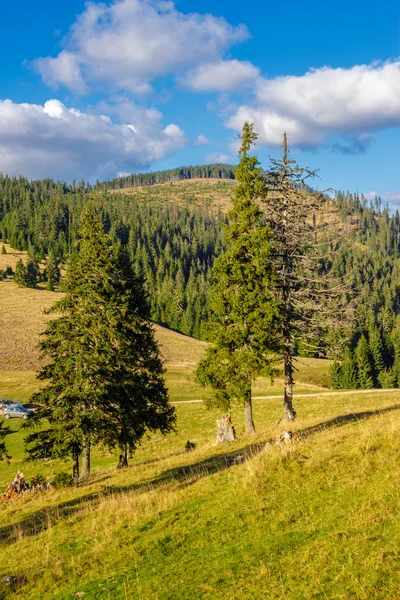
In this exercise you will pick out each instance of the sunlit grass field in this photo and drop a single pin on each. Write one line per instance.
(315, 519)
(318, 519)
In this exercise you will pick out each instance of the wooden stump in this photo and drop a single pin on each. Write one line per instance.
(225, 430)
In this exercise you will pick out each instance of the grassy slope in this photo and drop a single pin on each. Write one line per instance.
(215, 193)
(22, 319)
(316, 520)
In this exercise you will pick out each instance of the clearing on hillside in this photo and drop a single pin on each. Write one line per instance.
(22, 320)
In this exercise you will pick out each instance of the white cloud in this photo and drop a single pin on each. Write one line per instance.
(216, 158)
(223, 76)
(201, 140)
(325, 102)
(392, 198)
(60, 142)
(130, 42)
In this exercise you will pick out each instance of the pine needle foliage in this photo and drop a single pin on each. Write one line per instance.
(241, 301)
(4, 430)
(310, 299)
(105, 382)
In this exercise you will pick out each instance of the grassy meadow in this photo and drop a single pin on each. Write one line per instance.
(315, 519)
(215, 193)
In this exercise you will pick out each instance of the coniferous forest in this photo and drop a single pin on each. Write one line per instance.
(174, 246)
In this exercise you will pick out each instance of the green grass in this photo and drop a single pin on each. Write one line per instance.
(20, 385)
(319, 519)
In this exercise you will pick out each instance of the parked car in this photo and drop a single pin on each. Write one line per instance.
(16, 411)
(5, 402)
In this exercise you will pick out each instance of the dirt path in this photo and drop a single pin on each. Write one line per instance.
(332, 393)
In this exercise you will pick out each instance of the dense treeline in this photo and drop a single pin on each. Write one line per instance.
(214, 171)
(372, 257)
(175, 246)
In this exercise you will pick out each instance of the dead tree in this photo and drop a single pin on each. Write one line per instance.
(310, 299)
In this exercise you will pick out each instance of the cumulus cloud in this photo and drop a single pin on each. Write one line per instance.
(130, 42)
(55, 141)
(201, 140)
(325, 102)
(223, 76)
(217, 158)
(392, 198)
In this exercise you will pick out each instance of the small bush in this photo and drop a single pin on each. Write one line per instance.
(63, 480)
(9, 271)
(38, 480)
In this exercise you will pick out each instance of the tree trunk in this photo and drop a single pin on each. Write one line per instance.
(123, 458)
(248, 414)
(85, 458)
(75, 464)
(289, 414)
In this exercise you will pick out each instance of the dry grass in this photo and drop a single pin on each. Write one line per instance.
(215, 193)
(11, 258)
(22, 320)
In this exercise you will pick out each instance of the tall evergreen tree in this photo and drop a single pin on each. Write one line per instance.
(240, 297)
(364, 367)
(52, 272)
(377, 353)
(105, 381)
(3, 450)
(348, 371)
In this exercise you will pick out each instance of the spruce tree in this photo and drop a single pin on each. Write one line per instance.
(104, 377)
(21, 274)
(240, 297)
(377, 352)
(32, 273)
(335, 375)
(348, 371)
(4, 430)
(52, 272)
(364, 367)
(3, 249)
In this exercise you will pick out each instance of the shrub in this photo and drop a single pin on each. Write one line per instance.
(38, 480)
(63, 479)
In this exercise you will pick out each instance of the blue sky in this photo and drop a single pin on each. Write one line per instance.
(92, 90)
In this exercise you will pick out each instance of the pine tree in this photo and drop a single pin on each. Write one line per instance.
(335, 375)
(21, 274)
(105, 381)
(377, 352)
(52, 272)
(240, 297)
(364, 367)
(3, 450)
(348, 371)
(3, 249)
(32, 273)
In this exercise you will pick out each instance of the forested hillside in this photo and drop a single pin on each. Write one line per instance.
(175, 230)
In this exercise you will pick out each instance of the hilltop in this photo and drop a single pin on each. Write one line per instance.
(174, 230)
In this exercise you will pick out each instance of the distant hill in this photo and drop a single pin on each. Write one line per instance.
(174, 230)
(22, 320)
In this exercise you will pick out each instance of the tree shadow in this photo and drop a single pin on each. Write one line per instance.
(345, 419)
(183, 476)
